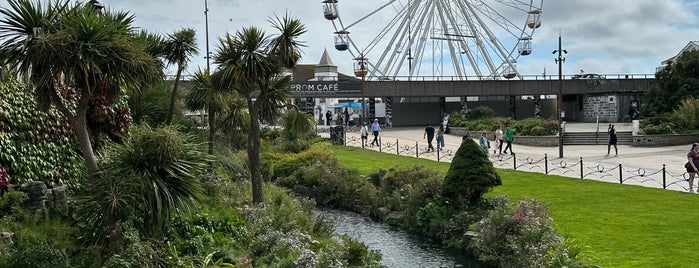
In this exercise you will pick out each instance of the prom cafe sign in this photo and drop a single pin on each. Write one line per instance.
(325, 88)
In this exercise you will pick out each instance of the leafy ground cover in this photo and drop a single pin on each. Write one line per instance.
(621, 225)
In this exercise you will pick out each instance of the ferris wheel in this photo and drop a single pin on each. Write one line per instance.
(390, 39)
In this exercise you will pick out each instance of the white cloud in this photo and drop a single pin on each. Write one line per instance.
(621, 36)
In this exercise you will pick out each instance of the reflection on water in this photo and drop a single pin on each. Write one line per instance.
(397, 248)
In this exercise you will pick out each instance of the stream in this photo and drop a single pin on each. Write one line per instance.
(398, 249)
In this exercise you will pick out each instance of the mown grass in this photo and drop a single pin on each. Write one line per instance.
(621, 225)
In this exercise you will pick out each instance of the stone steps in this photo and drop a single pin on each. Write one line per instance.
(593, 138)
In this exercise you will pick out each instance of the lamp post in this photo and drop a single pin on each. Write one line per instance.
(360, 70)
(206, 23)
(559, 99)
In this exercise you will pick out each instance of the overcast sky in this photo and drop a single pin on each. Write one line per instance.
(601, 36)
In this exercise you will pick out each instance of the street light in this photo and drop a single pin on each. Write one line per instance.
(559, 99)
(360, 70)
(206, 23)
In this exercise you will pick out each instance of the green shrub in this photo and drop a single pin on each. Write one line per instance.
(536, 127)
(480, 112)
(138, 252)
(522, 235)
(151, 105)
(684, 119)
(358, 255)
(661, 124)
(232, 164)
(409, 189)
(281, 164)
(470, 176)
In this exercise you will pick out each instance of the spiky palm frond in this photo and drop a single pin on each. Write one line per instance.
(180, 47)
(164, 165)
(286, 47)
(276, 97)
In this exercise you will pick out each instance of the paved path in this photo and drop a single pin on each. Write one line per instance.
(640, 165)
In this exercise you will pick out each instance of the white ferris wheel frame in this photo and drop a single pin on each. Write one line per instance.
(486, 56)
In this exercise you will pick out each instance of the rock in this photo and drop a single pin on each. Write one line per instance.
(6, 238)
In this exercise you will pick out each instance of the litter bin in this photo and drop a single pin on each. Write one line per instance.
(337, 135)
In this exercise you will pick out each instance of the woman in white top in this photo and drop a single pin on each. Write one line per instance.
(365, 134)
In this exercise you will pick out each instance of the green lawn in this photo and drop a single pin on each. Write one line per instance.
(623, 226)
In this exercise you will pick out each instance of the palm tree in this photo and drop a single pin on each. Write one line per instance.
(223, 106)
(158, 168)
(297, 130)
(56, 46)
(180, 47)
(251, 61)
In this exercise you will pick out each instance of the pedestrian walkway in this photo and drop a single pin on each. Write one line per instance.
(644, 164)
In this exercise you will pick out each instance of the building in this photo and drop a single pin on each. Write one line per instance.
(691, 46)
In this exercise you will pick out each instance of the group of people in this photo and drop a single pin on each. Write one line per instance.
(429, 135)
(375, 129)
(346, 118)
(500, 137)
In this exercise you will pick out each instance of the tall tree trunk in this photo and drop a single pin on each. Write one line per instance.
(173, 97)
(254, 153)
(82, 134)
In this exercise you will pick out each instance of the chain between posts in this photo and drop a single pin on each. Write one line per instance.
(615, 173)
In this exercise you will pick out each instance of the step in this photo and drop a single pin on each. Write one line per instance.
(591, 138)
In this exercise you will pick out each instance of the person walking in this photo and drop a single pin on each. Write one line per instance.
(509, 137)
(612, 140)
(500, 140)
(328, 117)
(347, 118)
(497, 145)
(365, 134)
(440, 137)
(375, 128)
(483, 141)
(692, 165)
(429, 133)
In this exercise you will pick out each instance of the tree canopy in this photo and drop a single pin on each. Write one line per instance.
(678, 81)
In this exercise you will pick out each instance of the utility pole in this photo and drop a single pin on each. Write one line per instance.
(206, 23)
(559, 99)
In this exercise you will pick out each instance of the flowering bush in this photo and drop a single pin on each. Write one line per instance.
(521, 236)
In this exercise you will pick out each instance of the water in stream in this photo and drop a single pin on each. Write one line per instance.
(397, 248)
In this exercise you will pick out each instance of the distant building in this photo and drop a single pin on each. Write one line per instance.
(691, 46)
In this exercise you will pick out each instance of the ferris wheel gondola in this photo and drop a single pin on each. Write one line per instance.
(458, 38)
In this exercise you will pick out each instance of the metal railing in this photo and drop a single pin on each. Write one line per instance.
(658, 177)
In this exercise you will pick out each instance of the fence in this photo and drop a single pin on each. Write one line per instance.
(655, 178)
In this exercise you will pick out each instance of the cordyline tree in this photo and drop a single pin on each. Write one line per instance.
(58, 46)
(251, 63)
(226, 111)
(180, 46)
(470, 176)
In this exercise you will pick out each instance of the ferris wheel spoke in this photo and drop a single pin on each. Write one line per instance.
(497, 46)
(515, 30)
(370, 14)
(473, 23)
(455, 37)
(393, 47)
(448, 33)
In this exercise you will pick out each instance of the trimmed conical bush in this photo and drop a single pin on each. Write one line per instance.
(470, 175)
